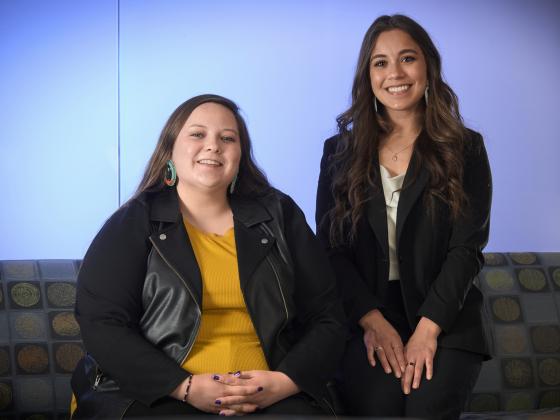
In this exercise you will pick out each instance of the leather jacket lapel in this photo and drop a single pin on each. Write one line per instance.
(173, 242)
(175, 248)
(252, 245)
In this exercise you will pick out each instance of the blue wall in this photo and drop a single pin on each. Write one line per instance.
(85, 88)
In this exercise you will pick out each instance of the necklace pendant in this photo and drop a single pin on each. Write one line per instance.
(394, 157)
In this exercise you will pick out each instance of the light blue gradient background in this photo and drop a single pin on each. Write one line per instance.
(85, 88)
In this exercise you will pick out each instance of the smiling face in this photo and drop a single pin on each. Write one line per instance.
(398, 72)
(207, 150)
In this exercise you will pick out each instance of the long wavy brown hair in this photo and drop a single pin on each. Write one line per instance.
(361, 128)
(250, 179)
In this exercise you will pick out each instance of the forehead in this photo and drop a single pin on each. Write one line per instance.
(212, 114)
(394, 41)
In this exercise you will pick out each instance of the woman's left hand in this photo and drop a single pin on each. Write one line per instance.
(419, 352)
(273, 386)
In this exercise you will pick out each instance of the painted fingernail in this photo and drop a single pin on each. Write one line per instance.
(217, 402)
(238, 373)
(260, 388)
(216, 377)
(222, 413)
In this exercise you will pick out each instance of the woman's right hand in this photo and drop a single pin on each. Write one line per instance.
(384, 342)
(207, 388)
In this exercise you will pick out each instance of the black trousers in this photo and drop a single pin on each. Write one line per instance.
(299, 404)
(369, 391)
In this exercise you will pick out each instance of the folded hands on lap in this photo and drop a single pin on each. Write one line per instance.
(384, 345)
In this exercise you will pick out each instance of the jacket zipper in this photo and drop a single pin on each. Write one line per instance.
(126, 409)
(98, 376)
(199, 311)
(267, 230)
(330, 407)
(279, 284)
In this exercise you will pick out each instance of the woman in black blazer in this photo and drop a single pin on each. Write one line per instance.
(403, 207)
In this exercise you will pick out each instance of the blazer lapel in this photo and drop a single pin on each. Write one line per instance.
(377, 218)
(414, 183)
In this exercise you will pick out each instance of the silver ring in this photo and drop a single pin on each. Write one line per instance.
(376, 348)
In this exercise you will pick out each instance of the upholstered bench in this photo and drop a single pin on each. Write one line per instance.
(522, 297)
(40, 339)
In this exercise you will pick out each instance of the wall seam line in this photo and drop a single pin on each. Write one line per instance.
(119, 102)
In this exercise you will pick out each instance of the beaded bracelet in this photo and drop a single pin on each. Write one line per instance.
(189, 381)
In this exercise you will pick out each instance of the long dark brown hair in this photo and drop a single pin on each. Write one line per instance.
(250, 179)
(361, 127)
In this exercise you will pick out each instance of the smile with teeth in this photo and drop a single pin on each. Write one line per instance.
(210, 162)
(398, 89)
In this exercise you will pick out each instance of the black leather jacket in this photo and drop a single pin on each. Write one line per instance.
(140, 291)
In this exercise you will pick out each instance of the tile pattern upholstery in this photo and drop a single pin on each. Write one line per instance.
(40, 340)
(522, 298)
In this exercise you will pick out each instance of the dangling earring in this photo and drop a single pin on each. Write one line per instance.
(232, 185)
(170, 174)
(375, 103)
(426, 94)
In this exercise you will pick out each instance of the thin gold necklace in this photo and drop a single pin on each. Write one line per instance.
(395, 156)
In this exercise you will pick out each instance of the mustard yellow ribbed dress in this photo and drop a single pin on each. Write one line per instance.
(226, 340)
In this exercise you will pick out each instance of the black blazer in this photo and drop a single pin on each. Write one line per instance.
(438, 258)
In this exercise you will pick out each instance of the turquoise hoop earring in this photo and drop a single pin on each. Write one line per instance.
(170, 174)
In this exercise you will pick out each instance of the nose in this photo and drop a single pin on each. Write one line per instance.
(396, 70)
(212, 144)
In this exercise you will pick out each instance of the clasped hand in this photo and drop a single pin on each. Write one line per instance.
(383, 343)
(419, 352)
(407, 363)
(239, 393)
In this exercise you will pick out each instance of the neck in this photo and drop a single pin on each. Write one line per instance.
(200, 205)
(405, 123)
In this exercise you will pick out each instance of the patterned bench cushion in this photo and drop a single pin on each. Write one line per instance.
(40, 340)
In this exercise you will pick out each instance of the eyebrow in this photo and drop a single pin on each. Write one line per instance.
(401, 52)
(203, 126)
(231, 129)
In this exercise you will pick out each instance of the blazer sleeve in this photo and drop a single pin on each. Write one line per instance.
(358, 299)
(314, 358)
(469, 236)
(109, 307)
